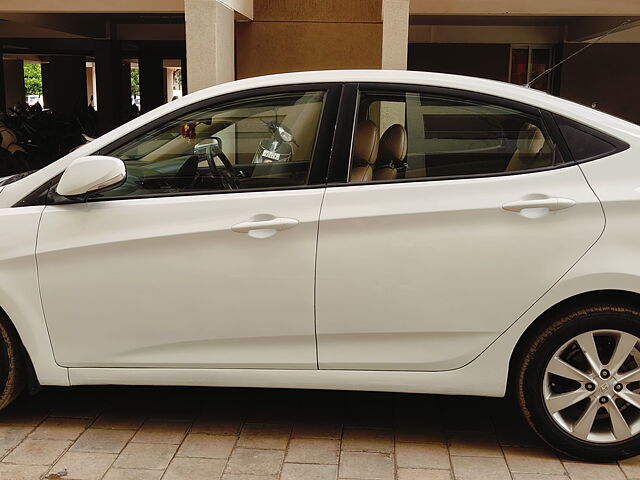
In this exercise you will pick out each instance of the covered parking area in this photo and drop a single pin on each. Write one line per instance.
(86, 58)
(104, 62)
(88, 48)
(515, 40)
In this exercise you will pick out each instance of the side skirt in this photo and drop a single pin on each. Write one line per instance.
(464, 381)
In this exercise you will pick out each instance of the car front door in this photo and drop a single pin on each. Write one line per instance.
(459, 212)
(205, 256)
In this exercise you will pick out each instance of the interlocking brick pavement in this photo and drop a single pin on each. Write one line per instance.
(153, 433)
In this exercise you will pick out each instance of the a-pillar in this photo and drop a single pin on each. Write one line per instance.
(14, 92)
(210, 35)
(151, 81)
(395, 34)
(64, 85)
(111, 99)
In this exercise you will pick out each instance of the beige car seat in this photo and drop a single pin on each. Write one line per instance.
(392, 150)
(529, 153)
(365, 151)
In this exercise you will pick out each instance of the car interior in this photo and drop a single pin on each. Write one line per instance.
(401, 136)
(216, 149)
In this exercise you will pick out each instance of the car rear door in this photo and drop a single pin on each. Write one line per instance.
(487, 212)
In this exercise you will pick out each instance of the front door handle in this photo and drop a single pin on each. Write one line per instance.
(259, 228)
(550, 204)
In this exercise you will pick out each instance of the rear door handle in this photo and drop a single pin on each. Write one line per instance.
(551, 204)
(267, 227)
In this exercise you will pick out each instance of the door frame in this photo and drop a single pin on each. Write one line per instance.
(347, 119)
(318, 170)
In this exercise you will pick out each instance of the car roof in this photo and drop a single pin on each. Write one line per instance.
(497, 88)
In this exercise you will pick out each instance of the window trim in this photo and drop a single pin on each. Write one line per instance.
(340, 163)
(317, 176)
(337, 168)
(617, 144)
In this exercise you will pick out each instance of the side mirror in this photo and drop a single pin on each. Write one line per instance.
(87, 175)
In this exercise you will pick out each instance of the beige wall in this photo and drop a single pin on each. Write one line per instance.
(347, 11)
(291, 35)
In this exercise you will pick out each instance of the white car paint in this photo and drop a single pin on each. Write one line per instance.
(466, 266)
(230, 300)
(111, 171)
(479, 365)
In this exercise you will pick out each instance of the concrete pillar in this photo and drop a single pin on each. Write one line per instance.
(91, 82)
(109, 94)
(14, 92)
(125, 92)
(395, 34)
(3, 103)
(151, 81)
(64, 84)
(210, 35)
(169, 72)
(183, 72)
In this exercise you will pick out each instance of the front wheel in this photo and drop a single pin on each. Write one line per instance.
(12, 370)
(579, 383)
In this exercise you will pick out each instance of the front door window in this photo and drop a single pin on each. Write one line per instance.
(255, 143)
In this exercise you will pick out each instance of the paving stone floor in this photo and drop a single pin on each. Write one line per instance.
(149, 433)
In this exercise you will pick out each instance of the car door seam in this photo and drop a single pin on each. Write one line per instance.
(315, 282)
(44, 315)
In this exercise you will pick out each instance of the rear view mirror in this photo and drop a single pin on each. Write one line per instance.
(87, 175)
(207, 146)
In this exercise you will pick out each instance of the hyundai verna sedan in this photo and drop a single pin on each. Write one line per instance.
(373, 230)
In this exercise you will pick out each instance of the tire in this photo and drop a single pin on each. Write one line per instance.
(542, 392)
(12, 368)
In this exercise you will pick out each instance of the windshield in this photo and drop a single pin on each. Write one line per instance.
(14, 178)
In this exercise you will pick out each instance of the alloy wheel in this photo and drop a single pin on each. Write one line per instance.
(591, 386)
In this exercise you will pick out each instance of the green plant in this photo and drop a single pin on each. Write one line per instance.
(135, 81)
(32, 79)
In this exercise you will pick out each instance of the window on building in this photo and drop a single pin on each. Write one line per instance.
(529, 61)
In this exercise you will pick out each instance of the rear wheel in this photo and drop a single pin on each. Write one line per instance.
(579, 383)
(12, 371)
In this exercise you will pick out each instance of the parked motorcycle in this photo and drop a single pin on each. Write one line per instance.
(278, 147)
(33, 137)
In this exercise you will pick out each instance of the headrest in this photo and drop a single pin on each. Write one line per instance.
(365, 147)
(531, 140)
(393, 145)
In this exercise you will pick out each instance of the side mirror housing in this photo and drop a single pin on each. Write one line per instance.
(93, 174)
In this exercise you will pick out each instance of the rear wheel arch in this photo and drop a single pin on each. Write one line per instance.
(619, 297)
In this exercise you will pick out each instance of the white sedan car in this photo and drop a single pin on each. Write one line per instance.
(371, 230)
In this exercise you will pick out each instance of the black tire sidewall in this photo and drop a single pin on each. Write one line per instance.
(530, 393)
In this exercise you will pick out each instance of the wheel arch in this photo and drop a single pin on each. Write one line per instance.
(542, 321)
(33, 384)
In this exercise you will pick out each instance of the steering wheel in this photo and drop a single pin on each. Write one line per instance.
(228, 175)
